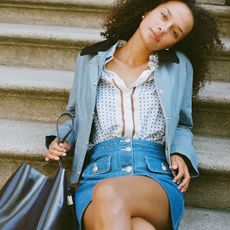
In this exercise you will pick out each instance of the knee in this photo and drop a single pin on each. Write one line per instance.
(106, 197)
(139, 223)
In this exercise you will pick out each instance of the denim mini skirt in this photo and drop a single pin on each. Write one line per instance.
(123, 157)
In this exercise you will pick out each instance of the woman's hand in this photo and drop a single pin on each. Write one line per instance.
(179, 165)
(57, 150)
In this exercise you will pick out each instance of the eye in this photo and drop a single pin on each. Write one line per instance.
(164, 16)
(175, 34)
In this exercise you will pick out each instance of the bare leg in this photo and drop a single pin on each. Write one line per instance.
(139, 223)
(118, 202)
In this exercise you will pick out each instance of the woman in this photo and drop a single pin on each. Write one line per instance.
(132, 93)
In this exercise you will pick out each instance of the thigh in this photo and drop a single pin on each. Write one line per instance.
(142, 197)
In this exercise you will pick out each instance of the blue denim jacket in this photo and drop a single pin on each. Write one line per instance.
(174, 87)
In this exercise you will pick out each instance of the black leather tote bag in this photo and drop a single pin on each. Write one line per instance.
(31, 200)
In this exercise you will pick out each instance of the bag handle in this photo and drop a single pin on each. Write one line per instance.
(60, 161)
(62, 140)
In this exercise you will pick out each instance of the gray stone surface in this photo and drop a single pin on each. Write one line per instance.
(43, 46)
(23, 139)
(213, 154)
(87, 14)
(203, 219)
(211, 189)
(33, 94)
(211, 110)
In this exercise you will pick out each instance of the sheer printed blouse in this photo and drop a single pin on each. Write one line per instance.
(132, 111)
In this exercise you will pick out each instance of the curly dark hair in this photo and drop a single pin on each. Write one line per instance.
(198, 45)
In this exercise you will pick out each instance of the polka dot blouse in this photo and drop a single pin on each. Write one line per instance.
(128, 111)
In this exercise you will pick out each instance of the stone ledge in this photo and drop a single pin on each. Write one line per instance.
(203, 219)
(10, 33)
(15, 79)
(215, 92)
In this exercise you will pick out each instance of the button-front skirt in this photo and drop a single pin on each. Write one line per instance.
(122, 157)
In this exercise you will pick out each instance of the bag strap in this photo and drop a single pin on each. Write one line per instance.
(60, 161)
(62, 140)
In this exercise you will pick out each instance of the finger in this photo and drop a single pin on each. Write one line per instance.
(46, 158)
(186, 179)
(59, 148)
(184, 183)
(185, 189)
(57, 153)
(180, 173)
(52, 157)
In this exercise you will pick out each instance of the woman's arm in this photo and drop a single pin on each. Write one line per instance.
(63, 128)
(182, 149)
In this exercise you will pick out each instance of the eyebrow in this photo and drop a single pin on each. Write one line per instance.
(169, 12)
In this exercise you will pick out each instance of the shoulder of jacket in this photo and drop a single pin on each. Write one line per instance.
(93, 49)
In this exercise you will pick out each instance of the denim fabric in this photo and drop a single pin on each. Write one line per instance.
(123, 157)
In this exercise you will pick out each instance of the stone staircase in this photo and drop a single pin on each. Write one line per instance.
(39, 41)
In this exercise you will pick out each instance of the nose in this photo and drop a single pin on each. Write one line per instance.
(163, 29)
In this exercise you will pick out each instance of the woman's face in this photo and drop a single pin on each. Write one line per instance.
(166, 25)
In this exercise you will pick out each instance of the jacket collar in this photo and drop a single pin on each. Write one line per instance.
(163, 55)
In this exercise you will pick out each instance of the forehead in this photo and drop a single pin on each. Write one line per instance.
(180, 12)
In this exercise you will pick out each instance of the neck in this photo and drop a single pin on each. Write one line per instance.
(134, 53)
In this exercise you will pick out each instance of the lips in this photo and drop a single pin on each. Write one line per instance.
(154, 36)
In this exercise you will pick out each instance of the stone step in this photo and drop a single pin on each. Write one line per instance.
(33, 94)
(211, 189)
(211, 109)
(80, 13)
(52, 47)
(24, 141)
(71, 13)
(37, 94)
(203, 219)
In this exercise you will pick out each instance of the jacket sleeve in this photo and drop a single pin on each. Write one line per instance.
(63, 128)
(182, 143)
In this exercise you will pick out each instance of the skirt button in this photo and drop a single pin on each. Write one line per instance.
(128, 169)
(95, 168)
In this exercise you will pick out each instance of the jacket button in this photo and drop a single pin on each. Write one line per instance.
(95, 83)
(161, 91)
